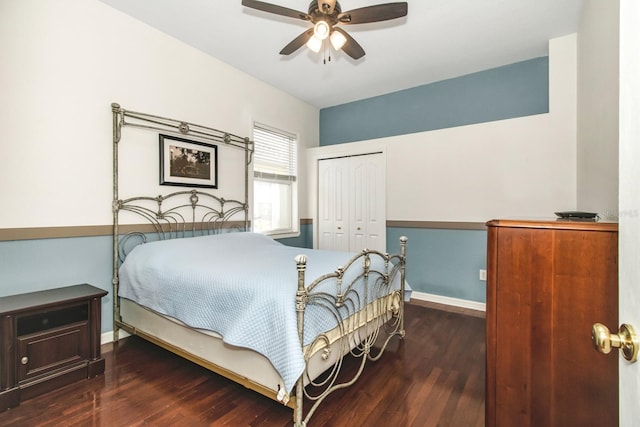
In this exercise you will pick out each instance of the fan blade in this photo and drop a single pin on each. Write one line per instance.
(326, 6)
(351, 46)
(297, 43)
(278, 10)
(376, 13)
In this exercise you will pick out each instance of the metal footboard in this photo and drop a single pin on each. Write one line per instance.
(368, 313)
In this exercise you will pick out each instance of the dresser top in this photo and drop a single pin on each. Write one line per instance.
(558, 224)
(50, 297)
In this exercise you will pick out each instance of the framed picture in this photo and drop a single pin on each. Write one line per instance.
(188, 163)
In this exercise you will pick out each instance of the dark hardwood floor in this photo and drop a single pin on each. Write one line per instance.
(434, 377)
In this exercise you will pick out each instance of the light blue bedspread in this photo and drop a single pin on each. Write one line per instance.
(240, 285)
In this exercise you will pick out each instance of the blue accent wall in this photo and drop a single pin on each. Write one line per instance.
(515, 90)
(444, 262)
(304, 240)
(439, 261)
(35, 265)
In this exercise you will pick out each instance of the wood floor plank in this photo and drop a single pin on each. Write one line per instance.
(434, 377)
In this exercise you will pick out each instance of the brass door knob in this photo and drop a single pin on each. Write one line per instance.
(626, 340)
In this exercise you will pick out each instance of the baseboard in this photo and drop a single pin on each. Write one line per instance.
(455, 302)
(107, 337)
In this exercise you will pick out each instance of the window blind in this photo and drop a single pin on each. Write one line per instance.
(275, 155)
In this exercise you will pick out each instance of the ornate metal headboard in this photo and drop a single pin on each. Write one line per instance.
(179, 214)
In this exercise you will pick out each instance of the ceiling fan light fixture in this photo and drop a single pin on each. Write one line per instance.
(324, 15)
(337, 40)
(314, 44)
(321, 30)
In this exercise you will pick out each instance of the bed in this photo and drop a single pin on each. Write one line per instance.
(193, 278)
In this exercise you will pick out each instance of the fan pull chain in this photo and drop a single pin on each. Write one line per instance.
(326, 47)
(324, 53)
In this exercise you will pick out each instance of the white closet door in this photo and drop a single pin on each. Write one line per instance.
(351, 203)
(333, 204)
(367, 224)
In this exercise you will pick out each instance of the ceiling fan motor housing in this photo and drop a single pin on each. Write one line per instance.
(317, 13)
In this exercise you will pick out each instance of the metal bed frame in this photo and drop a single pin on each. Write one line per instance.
(364, 328)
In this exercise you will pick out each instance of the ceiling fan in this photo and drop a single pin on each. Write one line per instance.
(326, 15)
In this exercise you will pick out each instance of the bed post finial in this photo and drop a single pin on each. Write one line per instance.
(301, 294)
(301, 261)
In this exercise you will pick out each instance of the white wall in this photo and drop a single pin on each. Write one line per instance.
(64, 62)
(629, 250)
(522, 167)
(598, 83)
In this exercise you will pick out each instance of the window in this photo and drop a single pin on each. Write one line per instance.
(275, 206)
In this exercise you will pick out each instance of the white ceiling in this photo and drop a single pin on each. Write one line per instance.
(437, 40)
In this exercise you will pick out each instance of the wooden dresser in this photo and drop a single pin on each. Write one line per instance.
(548, 282)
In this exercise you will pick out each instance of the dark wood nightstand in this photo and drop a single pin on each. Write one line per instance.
(48, 339)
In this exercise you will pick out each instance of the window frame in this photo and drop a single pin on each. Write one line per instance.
(273, 178)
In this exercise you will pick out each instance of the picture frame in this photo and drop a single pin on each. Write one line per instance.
(188, 163)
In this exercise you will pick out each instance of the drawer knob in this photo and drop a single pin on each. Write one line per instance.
(24, 360)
